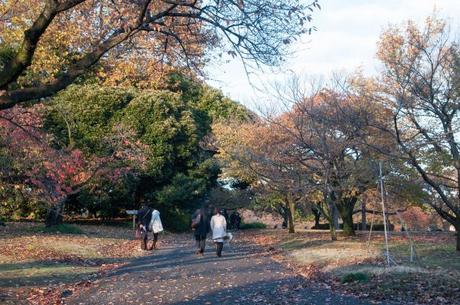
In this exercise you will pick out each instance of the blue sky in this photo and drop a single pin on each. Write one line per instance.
(348, 31)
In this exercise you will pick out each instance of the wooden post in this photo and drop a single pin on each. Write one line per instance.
(134, 213)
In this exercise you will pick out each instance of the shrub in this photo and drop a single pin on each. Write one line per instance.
(175, 220)
(355, 277)
(252, 225)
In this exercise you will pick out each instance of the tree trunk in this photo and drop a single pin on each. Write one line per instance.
(347, 217)
(333, 231)
(291, 210)
(333, 220)
(54, 216)
(335, 216)
(346, 207)
(363, 216)
(284, 213)
(458, 240)
(317, 215)
(457, 228)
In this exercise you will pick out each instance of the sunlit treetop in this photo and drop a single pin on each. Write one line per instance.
(47, 45)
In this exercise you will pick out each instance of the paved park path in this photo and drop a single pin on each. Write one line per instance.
(175, 275)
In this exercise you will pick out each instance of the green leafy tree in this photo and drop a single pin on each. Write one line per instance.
(155, 136)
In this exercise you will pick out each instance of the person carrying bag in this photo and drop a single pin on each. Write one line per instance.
(219, 231)
(200, 225)
(156, 227)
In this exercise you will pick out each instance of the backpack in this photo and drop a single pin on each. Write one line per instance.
(196, 221)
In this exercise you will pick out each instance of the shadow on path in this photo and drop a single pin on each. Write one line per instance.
(177, 276)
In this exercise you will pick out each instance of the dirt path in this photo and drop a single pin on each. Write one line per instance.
(176, 275)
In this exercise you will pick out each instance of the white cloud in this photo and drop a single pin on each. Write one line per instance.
(346, 39)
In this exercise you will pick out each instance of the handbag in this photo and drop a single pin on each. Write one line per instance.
(228, 237)
(138, 233)
(196, 221)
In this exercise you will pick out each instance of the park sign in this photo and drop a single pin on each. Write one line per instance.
(131, 212)
(134, 213)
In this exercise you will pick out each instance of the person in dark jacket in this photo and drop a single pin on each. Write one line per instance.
(201, 229)
(224, 213)
(235, 220)
(144, 216)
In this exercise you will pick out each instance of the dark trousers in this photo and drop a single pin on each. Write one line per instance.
(155, 239)
(144, 237)
(200, 243)
(219, 247)
(144, 240)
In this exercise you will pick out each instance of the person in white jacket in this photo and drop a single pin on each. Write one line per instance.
(219, 230)
(156, 227)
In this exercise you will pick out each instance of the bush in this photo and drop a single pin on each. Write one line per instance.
(355, 277)
(61, 228)
(252, 225)
(176, 220)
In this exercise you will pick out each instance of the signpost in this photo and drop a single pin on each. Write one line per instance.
(134, 213)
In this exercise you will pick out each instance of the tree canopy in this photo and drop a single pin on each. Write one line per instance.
(120, 147)
(421, 88)
(47, 45)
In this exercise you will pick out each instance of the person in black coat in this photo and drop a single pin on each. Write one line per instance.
(201, 228)
(224, 213)
(144, 216)
(235, 220)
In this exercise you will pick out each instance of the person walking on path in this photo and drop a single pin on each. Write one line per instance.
(200, 223)
(144, 217)
(156, 227)
(235, 220)
(219, 230)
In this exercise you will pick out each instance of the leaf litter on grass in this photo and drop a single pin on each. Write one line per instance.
(435, 280)
(44, 265)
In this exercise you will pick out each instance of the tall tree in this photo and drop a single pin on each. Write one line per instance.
(260, 151)
(421, 88)
(328, 126)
